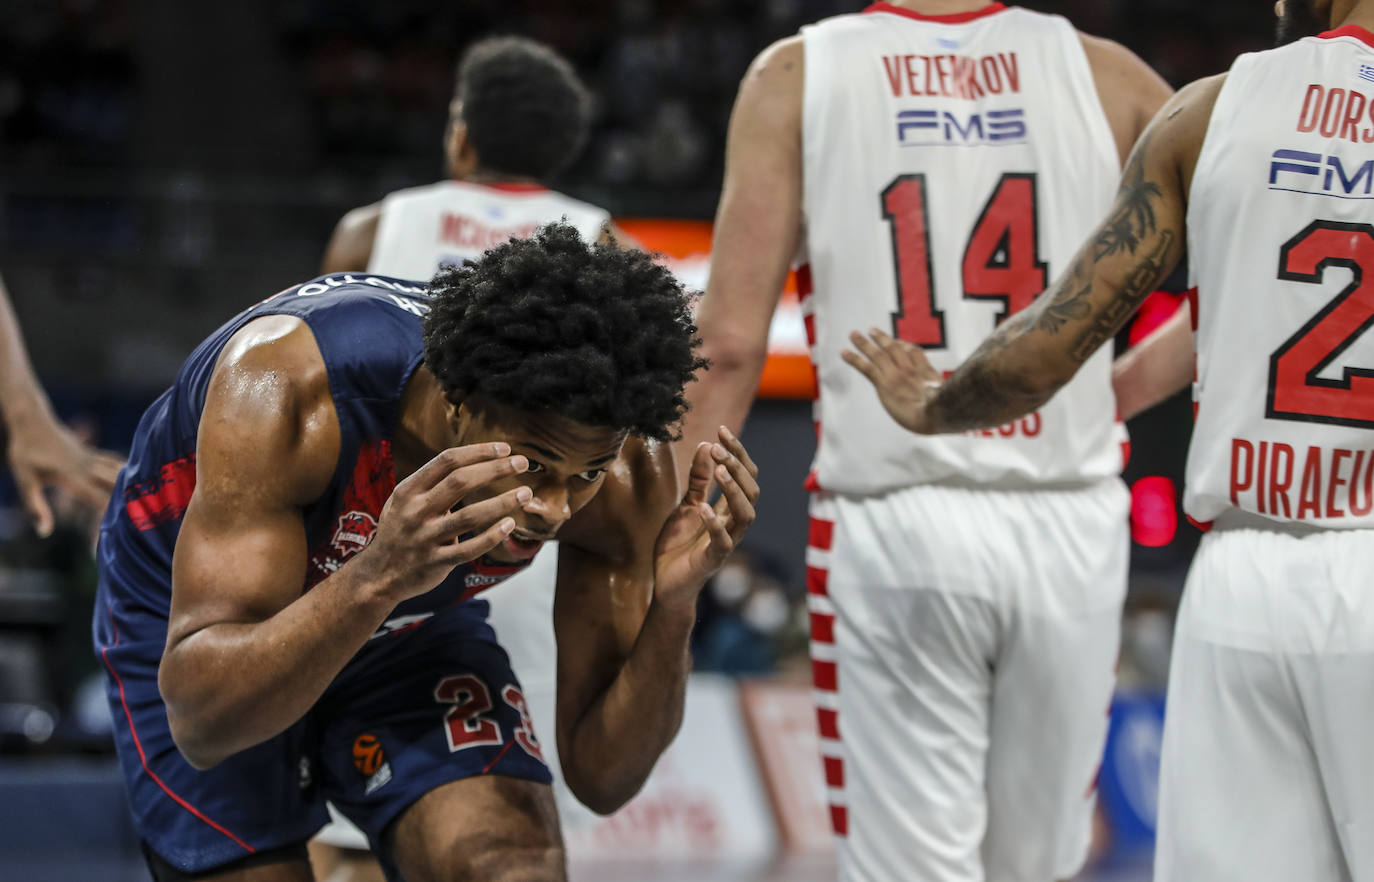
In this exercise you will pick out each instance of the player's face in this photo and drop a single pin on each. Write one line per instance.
(1300, 18)
(568, 463)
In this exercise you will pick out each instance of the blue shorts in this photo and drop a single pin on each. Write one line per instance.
(414, 709)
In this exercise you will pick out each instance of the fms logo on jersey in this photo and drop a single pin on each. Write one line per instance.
(1321, 174)
(926, 128)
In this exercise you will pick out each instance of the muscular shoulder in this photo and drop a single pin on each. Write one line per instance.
(778, 71)
(639, 493)
(1129, 89)
(268, 410)
(350, 247)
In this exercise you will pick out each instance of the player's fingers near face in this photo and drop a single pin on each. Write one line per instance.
(736, 446)
(481, 515)
(460, 482)
(736, 506)
(734, 471)
(447, 461)
(721, 541)
(476, 546)
(699, 478)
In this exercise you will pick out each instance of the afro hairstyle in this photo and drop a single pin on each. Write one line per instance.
(527, 113)
(552, 324)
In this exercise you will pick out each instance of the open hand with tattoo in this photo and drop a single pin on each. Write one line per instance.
(901, 374)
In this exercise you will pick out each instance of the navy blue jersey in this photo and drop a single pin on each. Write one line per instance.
(369, 334)
(430, 699)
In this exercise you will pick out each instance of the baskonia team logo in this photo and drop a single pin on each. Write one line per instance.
(356, 529)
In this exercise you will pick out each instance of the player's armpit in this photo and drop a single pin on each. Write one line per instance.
(757, 226)
(1036, 352)
(350, 247)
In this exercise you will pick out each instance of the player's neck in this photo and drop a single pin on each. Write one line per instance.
(1360, 13)
(941, 7)
(490, 178)
(421, 423)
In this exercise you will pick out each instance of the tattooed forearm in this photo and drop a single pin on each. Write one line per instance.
(1140, 281)
(1065, 307)
(979, 395)
(1134, 216)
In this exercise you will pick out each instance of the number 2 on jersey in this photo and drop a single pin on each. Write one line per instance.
(1001, 260)
(1296, 392)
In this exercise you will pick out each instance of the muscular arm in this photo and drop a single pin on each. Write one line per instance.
(41, 450)
(1033, 354)
(1130, 92)
(622, 657)
(624, 611)
(757, 226)
(247, 652)
(350, 248)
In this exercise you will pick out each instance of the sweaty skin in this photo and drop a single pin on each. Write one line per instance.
(758, 221)
(248, 654)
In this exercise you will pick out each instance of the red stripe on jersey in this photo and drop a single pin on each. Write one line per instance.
(828, 721)
(839, 820)
(834, 771)
(1355, 31)
(812, 484)
(1203, 526)
(822, 627)
(1125, 453)
(143, 759)
(809, 323)
(1191, 294)
(511, 186)
(821, 534)
(816, 581)
(824, 675)
(805, 286)
(952, 18)
(154, 503)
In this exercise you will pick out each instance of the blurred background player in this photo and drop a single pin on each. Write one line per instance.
(518, 117)
(932, 163)
(1266, 768)
(42, 452)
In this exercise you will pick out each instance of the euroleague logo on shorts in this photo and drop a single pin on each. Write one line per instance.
(368, 755)
(356, 529)
(370, 760)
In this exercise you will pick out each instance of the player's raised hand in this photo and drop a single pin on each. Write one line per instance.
(425, 530)
(900, 373)
(698, 537)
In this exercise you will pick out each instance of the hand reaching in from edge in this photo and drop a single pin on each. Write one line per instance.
(901, 374)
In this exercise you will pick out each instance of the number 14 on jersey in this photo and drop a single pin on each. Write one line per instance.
(1001, 259)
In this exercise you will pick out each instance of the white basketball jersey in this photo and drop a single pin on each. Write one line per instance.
(952, 166)
(1280, 238)
(423, 228)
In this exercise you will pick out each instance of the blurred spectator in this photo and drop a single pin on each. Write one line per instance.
(746, 618)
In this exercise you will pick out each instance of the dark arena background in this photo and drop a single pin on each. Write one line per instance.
(165, 164)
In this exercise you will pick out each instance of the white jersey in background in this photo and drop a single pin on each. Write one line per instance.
(951, 171)
(1281, 234)
(423, 228)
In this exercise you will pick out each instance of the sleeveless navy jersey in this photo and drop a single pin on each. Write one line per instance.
(368, 329)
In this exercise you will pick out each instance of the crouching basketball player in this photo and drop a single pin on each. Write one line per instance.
(366, 458)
